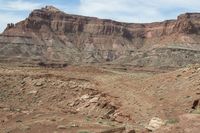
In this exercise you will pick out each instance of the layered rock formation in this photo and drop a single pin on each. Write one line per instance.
(50, 35)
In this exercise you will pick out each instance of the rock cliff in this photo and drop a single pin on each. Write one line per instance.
(50, 35)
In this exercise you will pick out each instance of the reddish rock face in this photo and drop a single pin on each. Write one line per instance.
(51, 35)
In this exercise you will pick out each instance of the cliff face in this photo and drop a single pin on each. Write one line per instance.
(49, 34)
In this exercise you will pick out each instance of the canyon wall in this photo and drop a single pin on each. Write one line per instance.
(50, 35)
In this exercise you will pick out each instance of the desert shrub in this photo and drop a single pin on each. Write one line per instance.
(83, 132)
(172, 121)
(196, 111)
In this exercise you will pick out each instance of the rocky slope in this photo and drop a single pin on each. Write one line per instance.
(50, 35)
(94, 99)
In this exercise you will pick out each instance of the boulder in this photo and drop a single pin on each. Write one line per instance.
(155, 123)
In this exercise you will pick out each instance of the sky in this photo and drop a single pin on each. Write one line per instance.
(134, 11)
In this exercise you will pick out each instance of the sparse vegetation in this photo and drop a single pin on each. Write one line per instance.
(84, 132)
(111, 124)
(196, 111)
(100, 122)
(74, 93)
(70, 73)
(172, 121)
(88, 118)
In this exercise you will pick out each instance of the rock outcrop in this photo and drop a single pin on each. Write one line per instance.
(49, 35)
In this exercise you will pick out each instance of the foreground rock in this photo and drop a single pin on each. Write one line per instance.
(155, 123)
(188, 123)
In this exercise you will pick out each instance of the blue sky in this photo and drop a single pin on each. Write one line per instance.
(136, 11)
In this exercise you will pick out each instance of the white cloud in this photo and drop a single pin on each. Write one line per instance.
(174, 3)
(19, 5)
(120, 10)
(137, 10)
(8, 18)
(10, 11)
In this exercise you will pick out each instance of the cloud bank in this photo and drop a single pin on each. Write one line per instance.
(138, 10)
(19, 5)
(142, 11)
(12, 11)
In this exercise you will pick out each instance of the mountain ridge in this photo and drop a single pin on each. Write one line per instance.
(50, 35)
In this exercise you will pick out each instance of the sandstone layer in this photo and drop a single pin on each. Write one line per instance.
(52, 36)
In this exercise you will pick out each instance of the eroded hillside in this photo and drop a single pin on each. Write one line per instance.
(95, 99)
(51, 36)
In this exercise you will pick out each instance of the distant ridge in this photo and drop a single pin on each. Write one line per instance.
(72, 39)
